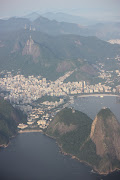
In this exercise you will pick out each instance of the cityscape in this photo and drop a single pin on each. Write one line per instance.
(25, 93)
(60, 90)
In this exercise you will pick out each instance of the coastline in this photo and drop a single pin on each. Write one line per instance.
(65, 153)
(82, 161)
(98, 95)
(29, 131)
(4, 145)
(20, 132)
(61, 150)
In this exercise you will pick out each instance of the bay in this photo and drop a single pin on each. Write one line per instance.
(91, 105)
(34, 156)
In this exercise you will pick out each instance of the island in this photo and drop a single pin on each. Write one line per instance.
(94, 142)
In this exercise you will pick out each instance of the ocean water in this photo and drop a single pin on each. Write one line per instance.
(92, 105)
(34, 156)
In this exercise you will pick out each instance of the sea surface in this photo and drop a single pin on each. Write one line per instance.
(91, 105)
(34, 156)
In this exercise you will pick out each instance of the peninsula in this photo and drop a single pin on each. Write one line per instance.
(94, 142)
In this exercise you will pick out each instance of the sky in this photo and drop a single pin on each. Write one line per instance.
(92, 8)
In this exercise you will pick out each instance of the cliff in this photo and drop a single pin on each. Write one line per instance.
(9, 119)
(31, 48)
(96, 143)
(105, 133)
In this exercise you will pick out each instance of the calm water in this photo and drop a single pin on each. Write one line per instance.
(92, 105)
(34, 156)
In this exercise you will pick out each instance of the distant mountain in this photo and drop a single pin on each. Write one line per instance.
(105, 31)
(13, 24)
(37, 53)
(32, 16)
(9, 119)
(95, 143)
(42, 24)
(63, 17)
(54, 27)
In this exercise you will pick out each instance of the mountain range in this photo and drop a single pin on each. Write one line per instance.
(105, 30)
(49, 48)
(37, 53)
(64, 17)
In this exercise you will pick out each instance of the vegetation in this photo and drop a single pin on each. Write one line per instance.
(48, 98)
(9, 119)
(88, 153)
(54, 52)
(105, 114)
(104, 31)
(76, 140)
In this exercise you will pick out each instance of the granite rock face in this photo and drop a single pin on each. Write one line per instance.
(32, 49)
(95, 142)
(105, 133)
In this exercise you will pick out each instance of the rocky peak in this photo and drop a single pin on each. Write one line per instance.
(105, 133)
(31, 48)
(28, 47)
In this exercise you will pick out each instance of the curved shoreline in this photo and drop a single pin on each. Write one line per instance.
(65, 153)
(20, 132)
(29, 131)
(98, 95)
(82, 161)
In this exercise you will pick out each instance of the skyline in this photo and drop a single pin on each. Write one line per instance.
(86, 8)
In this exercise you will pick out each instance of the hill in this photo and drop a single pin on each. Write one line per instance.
(73, 25)
(42, 24)
(60, 17)
(105, 133)
(71, 129)
(93, 142)
(37, 53)
(9, 119)
(13, 24)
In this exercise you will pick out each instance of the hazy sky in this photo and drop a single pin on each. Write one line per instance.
(92, 7)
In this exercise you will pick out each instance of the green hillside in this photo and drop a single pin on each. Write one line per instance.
(9, 119)
(105, 30)
(93, 142)
(71, 129)
(52, 56)
(75, 141)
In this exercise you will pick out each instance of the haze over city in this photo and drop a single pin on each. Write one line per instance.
(93, 8)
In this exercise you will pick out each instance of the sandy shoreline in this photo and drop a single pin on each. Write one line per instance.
(29, 131)
(98, 95)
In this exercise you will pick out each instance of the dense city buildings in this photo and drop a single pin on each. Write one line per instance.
(24, 92)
